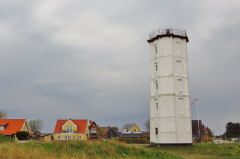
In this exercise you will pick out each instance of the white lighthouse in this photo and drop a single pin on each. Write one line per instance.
(170, 117)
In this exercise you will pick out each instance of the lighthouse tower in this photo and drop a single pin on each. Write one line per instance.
(170, 118)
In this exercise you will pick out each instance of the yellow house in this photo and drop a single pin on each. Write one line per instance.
(71, 130)
(131, 128)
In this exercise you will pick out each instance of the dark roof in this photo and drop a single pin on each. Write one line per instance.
(130, 135)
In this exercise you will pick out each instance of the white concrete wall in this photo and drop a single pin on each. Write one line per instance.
(172, 113)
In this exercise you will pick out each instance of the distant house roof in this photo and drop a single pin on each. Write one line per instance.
(127, 127)
(104, 129)
(11, 126)
(92, 124)
(81, 125)
(130, 135)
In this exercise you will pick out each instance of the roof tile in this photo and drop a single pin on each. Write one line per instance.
(11, 126)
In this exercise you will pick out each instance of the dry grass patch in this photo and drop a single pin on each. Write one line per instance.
(76, 150)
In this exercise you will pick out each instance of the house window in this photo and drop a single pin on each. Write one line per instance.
(59, 137)
(134, 130)
(69, 129)
(73, 137)
(93, 130)
(66, 138)
(79, 137)
(156, 131)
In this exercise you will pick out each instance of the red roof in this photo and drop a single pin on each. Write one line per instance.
(81, 124)
(11, 126)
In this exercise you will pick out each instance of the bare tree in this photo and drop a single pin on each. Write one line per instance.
(35, 126)
(147, 125)
(3, 114)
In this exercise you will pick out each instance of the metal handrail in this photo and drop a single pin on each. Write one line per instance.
(168, 30)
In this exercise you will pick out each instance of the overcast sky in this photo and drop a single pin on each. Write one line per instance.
(89, 59)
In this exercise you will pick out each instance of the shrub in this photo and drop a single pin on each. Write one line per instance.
(22, 135)
(207, 139)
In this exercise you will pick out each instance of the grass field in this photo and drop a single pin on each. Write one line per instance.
(204, 151)
(113, 149)
(75, 150)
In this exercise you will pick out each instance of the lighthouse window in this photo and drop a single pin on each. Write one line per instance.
(156, 131)
(155, 47)
(156, 105)
(156, 85)
(179, 65)
(179, 84)
(156, 66)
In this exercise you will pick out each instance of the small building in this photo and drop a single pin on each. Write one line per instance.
(9, 127)
(93, 133)
(109, 132)
(131, 128)
(71, 130)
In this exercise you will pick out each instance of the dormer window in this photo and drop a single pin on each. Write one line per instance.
(2, 127)
(69, 129)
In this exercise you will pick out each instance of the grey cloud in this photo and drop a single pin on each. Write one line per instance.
(90, 59)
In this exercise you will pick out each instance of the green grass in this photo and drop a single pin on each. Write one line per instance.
(5, 139)
(204, 151)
